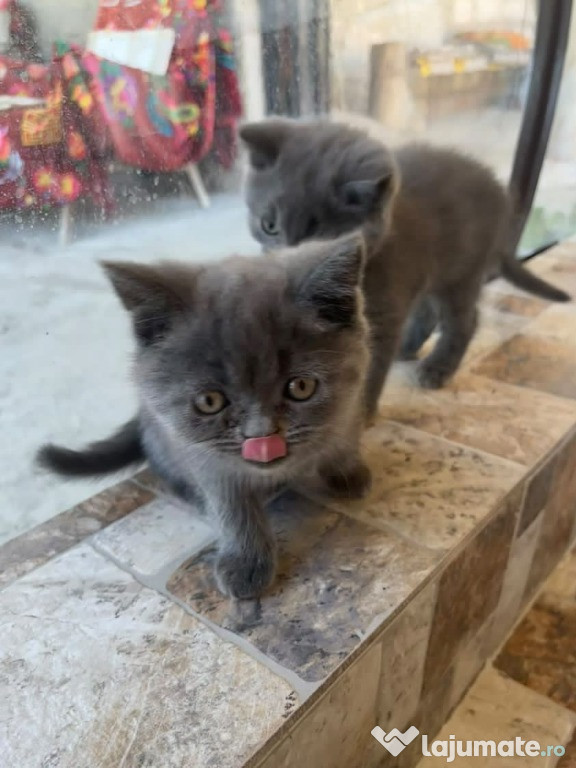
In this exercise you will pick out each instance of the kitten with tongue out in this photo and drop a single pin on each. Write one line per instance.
(250, 374)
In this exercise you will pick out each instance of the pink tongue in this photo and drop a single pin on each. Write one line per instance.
(264, 449)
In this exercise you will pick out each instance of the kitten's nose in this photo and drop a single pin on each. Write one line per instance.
(259, 426)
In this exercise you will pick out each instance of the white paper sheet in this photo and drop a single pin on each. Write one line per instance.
(146, 49)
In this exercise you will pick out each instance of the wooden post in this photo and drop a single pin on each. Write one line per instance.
(249, 54)
(390, 101)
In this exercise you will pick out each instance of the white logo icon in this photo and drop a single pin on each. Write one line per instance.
(395, 741)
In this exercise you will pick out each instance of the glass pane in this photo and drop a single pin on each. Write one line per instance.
(553, 215)
(446, 71)
(117, 127)
(117, 139)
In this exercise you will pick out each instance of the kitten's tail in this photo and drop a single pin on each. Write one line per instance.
(518, 275)
(120, 450)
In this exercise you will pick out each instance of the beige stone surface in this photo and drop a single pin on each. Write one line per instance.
(154, 536)
(469, 591)
(499, 709)
(487, 415)
(560, 588)
(558, 322)
(513, 592)
(427, 489)
(97, 671)
(404, 647)
(335, 733)
(534, 360)
(481, 646)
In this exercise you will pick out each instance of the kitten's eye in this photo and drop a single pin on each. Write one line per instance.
(301, 389)
(269, 223)
(210, 403)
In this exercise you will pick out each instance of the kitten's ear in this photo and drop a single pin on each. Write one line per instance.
(153, 295)
(264, 141)
(333, 275)
(367, 195)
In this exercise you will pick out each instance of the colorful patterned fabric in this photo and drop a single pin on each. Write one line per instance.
(55, 152)
(161, 123)
(46, 154)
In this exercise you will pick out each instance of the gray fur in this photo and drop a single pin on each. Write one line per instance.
(245, 327)
(436, 224)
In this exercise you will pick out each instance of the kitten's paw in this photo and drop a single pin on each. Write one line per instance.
(245, 575)
(431, 377)
(348, 483)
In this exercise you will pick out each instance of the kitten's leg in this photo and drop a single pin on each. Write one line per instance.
(384, 343)
(458, 324)
(346, 476)
(420, 325)
(246, 562)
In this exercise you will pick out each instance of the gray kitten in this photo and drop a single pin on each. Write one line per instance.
(437, 224)
(250, 374)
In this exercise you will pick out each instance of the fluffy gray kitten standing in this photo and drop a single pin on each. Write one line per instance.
(250, 376)
(437, 223)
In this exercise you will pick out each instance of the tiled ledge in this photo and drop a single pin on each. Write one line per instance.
(117, 649)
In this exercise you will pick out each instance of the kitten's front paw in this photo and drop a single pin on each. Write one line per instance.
(348, 483)
(245, 575)
(431, 377)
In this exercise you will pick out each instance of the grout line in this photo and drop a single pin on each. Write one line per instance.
(302, 688)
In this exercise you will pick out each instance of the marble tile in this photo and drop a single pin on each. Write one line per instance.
(534, 362)
(537, 492)
(559, 591)
(469, 662)
(21, 555)
(569, 758)
(155, 536)
(558, 267)
(558, 517)
(558, 322)
(480, 647)
(100, 671)
(504, 297)
(335, 577)
(484, 414)
(433, 712)
(148, 479)
(541, 653)
(469, 591)
(498, 709)
(513, 596)
(404, 646)
(427, 489)
(335, 731)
